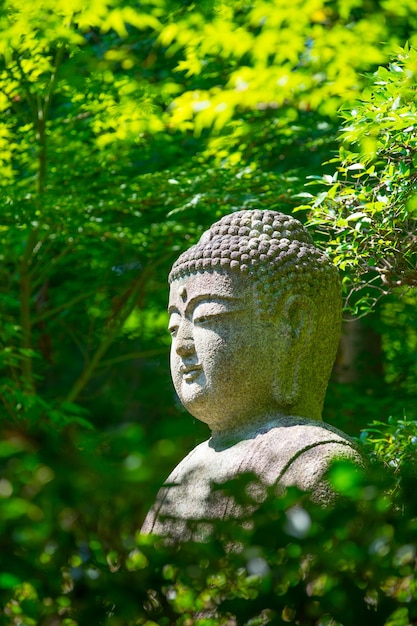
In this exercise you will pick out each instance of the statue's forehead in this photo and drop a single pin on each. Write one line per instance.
(206, 284)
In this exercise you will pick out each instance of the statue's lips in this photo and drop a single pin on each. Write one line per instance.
(190, 372)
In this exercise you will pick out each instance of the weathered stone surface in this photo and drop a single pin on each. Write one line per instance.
(255, 313)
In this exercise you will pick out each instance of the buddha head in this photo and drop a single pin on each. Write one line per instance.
(255, 314)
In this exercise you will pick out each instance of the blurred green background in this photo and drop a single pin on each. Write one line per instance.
(125, 130)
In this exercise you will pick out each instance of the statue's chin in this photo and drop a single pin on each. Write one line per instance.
(198, 409)
(195, 399)
(205, 410)
(222, 418)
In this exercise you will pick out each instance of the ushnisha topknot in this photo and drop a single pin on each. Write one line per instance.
(269, 247)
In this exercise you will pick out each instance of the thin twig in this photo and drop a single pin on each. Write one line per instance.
(63, 307)
(133, 355)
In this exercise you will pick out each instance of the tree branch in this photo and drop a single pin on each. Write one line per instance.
(133, 355)
(63, 307)
(126, 304)
(7, 406)
(25, 314)
(115, 325)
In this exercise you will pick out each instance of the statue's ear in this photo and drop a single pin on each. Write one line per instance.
(296, 319)
(298, 313)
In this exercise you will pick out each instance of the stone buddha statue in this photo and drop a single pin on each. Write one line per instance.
(255, 316)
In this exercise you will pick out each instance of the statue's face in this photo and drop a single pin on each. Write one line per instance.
(223, 355)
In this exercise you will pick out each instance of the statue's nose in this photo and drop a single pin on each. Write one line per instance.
(184, 342)
(185, 347)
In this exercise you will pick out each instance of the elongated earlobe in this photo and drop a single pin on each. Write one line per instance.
(299, 312)
(297, 317)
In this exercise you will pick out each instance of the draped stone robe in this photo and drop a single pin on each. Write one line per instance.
(288, 451)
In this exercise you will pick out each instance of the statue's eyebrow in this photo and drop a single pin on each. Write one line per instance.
(211, 298)
(205, 297)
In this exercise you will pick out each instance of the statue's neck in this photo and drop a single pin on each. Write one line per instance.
(229, 436)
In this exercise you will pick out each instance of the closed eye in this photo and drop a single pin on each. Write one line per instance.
(202, 319)
(211, 318)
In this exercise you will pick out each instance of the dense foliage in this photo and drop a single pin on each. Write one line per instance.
(125, 129)
(370, 208)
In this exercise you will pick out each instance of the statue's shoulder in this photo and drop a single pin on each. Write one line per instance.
(297, 451)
